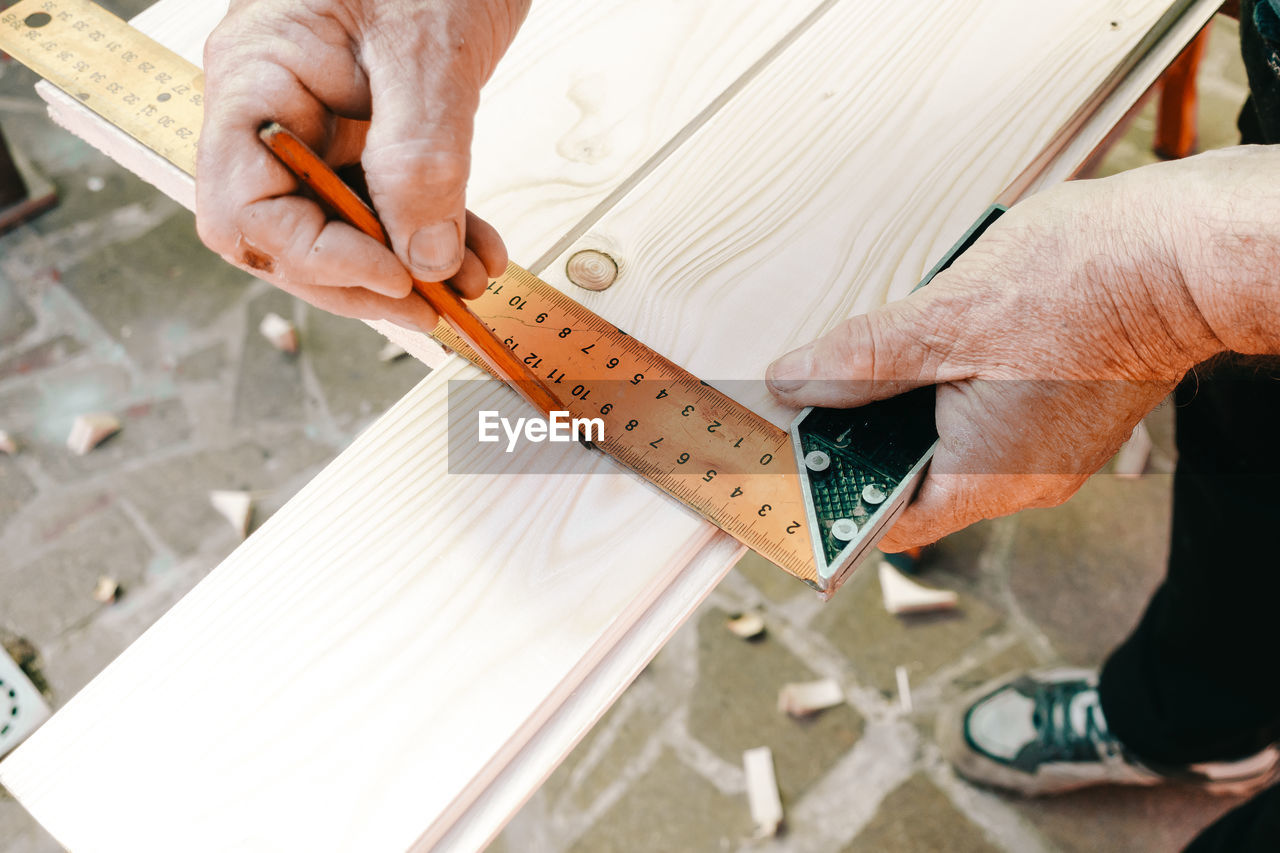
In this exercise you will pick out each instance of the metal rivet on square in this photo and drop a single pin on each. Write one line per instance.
(22, 708)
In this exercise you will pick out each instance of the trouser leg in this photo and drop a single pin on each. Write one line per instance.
(1199, 678)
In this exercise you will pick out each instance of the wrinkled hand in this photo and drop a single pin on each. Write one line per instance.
(390, 84)
(1048, 339)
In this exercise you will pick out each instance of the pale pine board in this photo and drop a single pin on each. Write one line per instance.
(663, 535)
(592, 91)
(1093, 129)
(850, 210)
(595, 89)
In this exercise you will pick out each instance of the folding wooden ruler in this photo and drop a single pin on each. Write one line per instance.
(813, 500)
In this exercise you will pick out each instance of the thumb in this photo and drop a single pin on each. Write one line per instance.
(417, 158)
(869, 357)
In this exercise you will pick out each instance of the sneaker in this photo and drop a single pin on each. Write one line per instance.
(1043, 732)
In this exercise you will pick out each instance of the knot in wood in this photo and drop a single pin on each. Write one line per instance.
(592, 270)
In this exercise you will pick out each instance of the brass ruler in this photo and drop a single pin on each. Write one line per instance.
(722, 460)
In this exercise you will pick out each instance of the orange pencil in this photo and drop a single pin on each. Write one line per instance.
(325, 183)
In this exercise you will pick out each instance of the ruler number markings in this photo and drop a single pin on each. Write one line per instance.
(659, 393)
(107, 58)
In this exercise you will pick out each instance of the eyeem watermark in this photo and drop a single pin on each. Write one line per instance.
(491, 427)
(660, 426)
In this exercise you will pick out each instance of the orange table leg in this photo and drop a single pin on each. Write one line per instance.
(1176, 117)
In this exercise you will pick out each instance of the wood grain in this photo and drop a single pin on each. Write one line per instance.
(597, 91)
(391, 661)
(865, 207)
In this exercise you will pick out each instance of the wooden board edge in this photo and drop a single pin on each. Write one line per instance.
(75, 117)
(524, 773)
(1114, 104)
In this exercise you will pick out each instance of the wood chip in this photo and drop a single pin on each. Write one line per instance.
(90, 430)
(1132, 457)
(903, 595)
(904, 690)
(8, 444)
(282, 334)
(107, 590)
(391, 351)
(235, 507)
(762, 791)
(809, 697)
(748, 626)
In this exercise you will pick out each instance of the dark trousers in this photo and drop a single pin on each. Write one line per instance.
(1199, 679)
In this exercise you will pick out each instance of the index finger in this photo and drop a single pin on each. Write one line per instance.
(246, 202)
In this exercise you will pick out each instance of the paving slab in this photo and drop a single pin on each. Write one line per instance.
(957, 561)
(15, 489)
(47, 595)
(670, 808)
(153, 293)
(172, 494)
(202, 365)
(15, 317)
(1084, 571)
(770, 581)
(918, 818)
(270, 386)
(41, 411)
(1017, 658)
(343, 354)
(19, 832)
(626, 744)
(734, 707)
(89, 183)
(146, 427)
(49, 353)
(606, 752)
(49, 515)
(877, 642)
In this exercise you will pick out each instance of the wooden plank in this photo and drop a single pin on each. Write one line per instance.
(1081, 145)
(871, 203)
(597, 91)
(480, 634)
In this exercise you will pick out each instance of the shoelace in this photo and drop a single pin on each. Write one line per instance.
(1067, 736)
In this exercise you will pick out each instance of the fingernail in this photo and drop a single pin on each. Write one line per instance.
(435, 252)
(790, 373)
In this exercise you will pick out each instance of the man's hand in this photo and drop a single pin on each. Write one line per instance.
(390, 84)
(1049, 339)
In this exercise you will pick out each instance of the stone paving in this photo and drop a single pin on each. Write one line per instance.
(109, 302)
